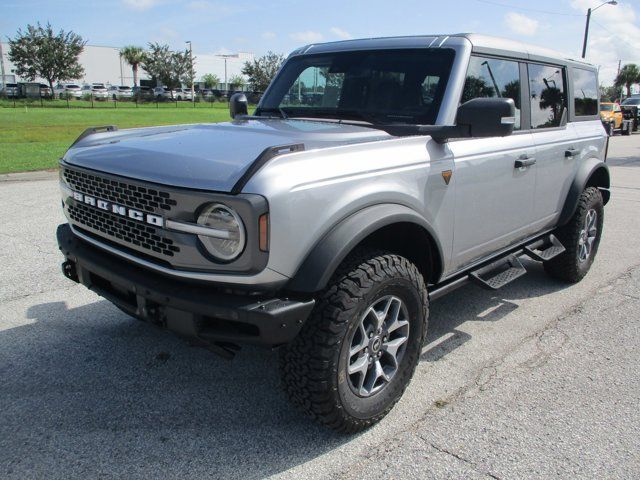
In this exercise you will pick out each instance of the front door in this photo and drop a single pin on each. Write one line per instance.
(495, 184)
(494, 177)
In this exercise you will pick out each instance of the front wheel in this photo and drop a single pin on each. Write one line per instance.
(580, 237)
(359, 349)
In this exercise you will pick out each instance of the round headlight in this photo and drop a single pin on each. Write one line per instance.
(227, 238)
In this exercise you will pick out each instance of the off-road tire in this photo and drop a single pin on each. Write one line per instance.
(566, 266)
(313, 366)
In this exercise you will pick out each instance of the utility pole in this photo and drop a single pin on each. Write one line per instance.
(1, 65)
(193, 97)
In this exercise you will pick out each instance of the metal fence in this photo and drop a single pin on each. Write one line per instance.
(92, 102)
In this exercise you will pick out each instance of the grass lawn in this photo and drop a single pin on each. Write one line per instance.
(36, 138)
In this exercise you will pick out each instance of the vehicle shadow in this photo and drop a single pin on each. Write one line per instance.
(88, 392)
(472, 303)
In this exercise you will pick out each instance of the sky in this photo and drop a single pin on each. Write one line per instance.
(217, 27)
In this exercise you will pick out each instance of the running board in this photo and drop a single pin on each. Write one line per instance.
(544, 249)
(498, 274)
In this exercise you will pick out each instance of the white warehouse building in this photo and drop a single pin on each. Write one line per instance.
(104, 65)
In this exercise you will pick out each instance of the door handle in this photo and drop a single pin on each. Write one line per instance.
(524, 161)
(572, 152)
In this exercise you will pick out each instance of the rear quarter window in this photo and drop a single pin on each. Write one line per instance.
(585, 92)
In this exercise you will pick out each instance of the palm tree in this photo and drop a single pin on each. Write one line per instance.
(134, 56)
(629, 74)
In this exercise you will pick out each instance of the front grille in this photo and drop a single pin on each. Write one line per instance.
(123, 229)
(122, 193)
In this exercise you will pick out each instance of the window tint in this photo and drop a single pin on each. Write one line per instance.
(489, 77)
(548, 98)
(585, 92)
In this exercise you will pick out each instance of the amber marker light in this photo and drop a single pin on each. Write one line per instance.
(263, 228)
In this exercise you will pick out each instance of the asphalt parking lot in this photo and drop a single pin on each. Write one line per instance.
(537, 380)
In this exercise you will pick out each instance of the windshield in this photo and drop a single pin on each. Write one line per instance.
(379, 86)
(606, 107)
(631, 101)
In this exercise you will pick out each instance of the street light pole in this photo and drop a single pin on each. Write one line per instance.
(226, 85)
(586, 26)
(193, 96)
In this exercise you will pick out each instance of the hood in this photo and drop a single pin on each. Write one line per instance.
(205, 156)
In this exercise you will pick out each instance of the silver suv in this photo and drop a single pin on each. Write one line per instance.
(374, 177)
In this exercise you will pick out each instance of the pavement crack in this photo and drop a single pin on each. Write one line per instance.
(460, 458)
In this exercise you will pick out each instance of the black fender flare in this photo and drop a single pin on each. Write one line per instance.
(592, 172)
(327, 254)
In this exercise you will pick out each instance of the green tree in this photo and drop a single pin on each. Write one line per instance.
(236, 81)
(40, 52)
(610, 93)
(169, 68)
(134, 56)
(629, 74)
(211, 80)
(261, 70)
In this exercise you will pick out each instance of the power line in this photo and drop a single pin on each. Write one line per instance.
(546, 12)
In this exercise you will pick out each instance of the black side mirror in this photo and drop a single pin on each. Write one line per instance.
(238, 105)
(487, 117)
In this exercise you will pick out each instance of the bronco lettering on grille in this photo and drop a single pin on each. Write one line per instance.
(121, 210)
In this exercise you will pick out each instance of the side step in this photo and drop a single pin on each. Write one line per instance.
(544, 249)
(496, 275)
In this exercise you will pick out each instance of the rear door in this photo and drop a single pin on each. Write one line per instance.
(557, 151)
(494, 195)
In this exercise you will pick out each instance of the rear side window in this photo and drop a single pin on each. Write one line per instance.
(585, 92)
(548, 95)
(490, 77)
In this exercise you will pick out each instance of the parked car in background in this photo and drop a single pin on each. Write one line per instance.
(99, 91)
(631, 110)
(118, 92)
(164, 93)
(142, 93)
(614, 118)
(69, 90)
(45, 91)
(183, 94)
(611, 116)
(11, 90)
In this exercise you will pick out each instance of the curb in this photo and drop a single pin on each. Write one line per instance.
(29, 176)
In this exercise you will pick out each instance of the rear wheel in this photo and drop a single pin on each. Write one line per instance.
(580, 237)
(357, 352)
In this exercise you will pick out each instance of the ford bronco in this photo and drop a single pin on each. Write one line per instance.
(374, 176)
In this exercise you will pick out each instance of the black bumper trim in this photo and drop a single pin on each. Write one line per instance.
(189, 309)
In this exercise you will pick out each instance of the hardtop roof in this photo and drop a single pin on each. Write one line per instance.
(486, 44)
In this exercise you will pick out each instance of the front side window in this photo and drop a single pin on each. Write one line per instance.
(379, 86)
(490, 77)
(548, 98)
(585, 92)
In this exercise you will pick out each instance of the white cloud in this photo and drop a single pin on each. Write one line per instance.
(521, 24)
(140, 4)
(307, 37)
(268, 35)
(341, 34)
(614, 35)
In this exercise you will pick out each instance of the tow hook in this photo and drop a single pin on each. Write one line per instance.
(69, 270)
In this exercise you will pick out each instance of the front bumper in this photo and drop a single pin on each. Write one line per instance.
(201, 311)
